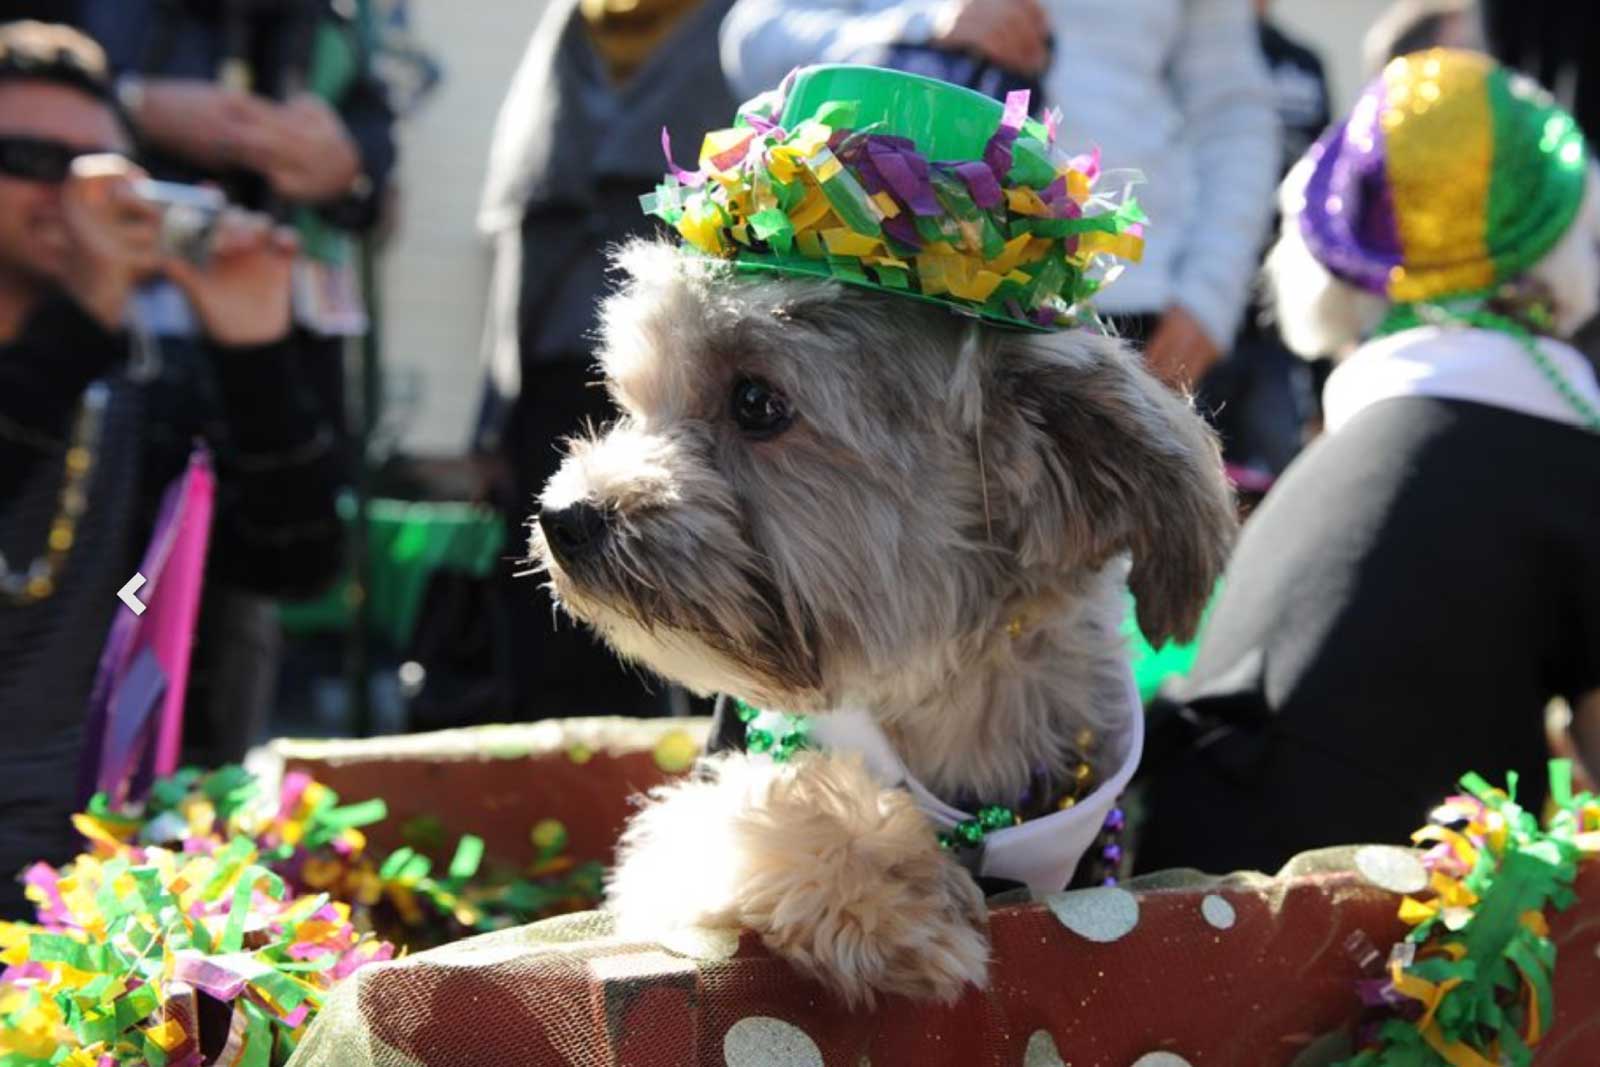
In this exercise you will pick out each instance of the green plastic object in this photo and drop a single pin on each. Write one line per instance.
(407, 542)
(946, 121)
(335, 65)
(971, 206)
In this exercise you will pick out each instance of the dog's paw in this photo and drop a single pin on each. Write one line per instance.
(846, 880)
(838, 875)
(926, 943)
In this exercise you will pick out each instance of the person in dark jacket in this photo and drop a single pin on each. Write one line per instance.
(1425, 579)
(97, 417)
(576, 143)
(274, 101)
(273, 97)
(1555, 41)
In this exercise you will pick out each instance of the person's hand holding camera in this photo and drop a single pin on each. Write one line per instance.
(242, 293)
(1010, 33)
(303, 150)
(112, 236)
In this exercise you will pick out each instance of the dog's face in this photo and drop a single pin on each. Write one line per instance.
(816, 493)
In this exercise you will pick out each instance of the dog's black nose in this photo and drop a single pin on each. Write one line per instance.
(573, 532)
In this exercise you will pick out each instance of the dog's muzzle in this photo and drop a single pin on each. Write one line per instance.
(576, 532)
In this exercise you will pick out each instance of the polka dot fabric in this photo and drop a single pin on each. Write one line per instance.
(1167, 971)
(1177, 987)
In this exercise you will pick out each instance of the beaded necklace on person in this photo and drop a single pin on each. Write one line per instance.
(39, 580)
(780, 735)
(1471, 310)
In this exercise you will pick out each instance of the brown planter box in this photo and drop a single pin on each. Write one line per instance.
(499, 781)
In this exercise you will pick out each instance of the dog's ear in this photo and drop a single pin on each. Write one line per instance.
(1100, 458)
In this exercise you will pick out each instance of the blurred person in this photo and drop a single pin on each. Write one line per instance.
(1260, 398)
(993, 49)
(1299, 88)
(577, 141)
(231, 90)
(1426, 576)
(97, 416)
(1556, 42)
(38, 10)
(1408, 26)
(274, 101)
(1176, 89)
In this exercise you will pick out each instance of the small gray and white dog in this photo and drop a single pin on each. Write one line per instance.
(819, 497)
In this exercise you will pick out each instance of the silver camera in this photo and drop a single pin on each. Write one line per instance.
(189, 217)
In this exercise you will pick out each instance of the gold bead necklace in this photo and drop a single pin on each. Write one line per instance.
(39, 580)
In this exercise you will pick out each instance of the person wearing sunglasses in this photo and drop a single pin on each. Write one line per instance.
(277, 102)
(96, 417)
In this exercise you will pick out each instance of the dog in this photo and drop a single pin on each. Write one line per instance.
(821, 497)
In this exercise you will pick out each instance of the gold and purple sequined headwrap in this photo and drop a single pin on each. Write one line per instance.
(1451, 175)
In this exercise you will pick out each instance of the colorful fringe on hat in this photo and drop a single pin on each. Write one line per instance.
(1451, 175)
(1017, 235)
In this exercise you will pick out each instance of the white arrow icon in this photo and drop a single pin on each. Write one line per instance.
(126, 593)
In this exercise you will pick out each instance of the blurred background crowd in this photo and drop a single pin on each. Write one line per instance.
(390, 331)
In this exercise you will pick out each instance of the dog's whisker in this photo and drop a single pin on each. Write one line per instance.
(983, 482)
(631, 568)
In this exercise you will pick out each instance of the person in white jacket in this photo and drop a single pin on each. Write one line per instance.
(1175, 88)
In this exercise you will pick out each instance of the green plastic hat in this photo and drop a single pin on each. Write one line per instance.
(906, 185)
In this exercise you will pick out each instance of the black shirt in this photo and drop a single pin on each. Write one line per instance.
(1399, 612)
(274, 529)
(1299, 91)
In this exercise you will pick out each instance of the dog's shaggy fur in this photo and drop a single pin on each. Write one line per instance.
(940, 538)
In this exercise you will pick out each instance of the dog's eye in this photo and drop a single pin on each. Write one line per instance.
(759, 409)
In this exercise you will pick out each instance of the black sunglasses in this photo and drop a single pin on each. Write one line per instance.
(36, 159)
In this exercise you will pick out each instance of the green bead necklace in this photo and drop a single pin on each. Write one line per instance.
(780, 736)
(1470, 312)
(969, 833)
(777, 734)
